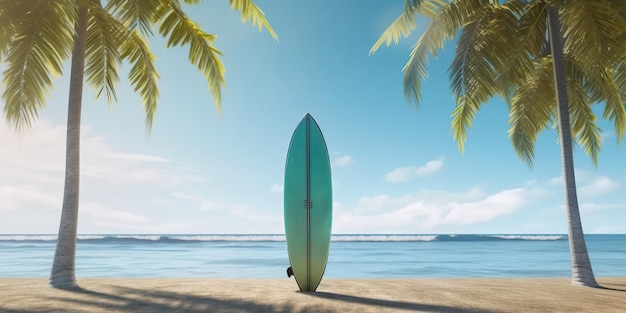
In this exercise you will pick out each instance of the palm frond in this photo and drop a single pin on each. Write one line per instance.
(408, 4)
(136, 14)
(592, 32)
(251, 12)
(528, 43)
(520, 28)
(602, 85)
(42, 40)
(404, 25)
(401, 27)
(620, 77)
(533, 27)
(102, 58)
(462, 117)
(414, 72)
(7, 23)
(180, 30)
(532, 108)
(619, 6)
(484, 51)
(143, 75)
(583, 121)
(442, 27)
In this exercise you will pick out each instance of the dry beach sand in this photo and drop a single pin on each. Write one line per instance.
(334, 295)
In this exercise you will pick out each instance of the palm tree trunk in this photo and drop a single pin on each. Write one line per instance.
(582, 274)
(63, 271)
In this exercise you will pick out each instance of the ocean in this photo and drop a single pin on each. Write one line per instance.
(351, 256)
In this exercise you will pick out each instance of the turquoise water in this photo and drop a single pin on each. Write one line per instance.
(351, 256)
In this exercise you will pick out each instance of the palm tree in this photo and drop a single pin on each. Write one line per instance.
(37, 36)
(550, 60)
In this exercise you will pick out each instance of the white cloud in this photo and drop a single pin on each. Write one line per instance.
(276, 188)
(344, 160)
(598, 186)
(379, 203)
(32, 177)
(588, 185)
(499, 204)
(104, 214)
(41, 150)
(19, 197)
(407, 173)
(338, 207)
(430, 167)
(604, 136)
(138, 157)
(202, 204)
(401, 174)
(431, 208)
(591, 206)
(556, 181)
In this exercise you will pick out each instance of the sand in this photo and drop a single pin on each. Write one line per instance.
(333, 295)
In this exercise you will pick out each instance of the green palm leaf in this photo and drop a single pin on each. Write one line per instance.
(8, 14)
(136, 14)
(180, 30)
(250, 12)
(602, 86)
(42, 40)
(438, 31)
(142, 75)
(590, 29)
(402, 26)
(484, 55)
(471, 75)
(102, 59)
(583, 121)
(520, 35)
(532, 108)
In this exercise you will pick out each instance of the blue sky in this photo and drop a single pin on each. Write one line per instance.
(395, 168)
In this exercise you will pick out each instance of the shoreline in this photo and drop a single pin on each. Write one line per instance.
(333, 295)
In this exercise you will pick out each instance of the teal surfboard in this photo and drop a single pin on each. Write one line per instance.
(308, 204)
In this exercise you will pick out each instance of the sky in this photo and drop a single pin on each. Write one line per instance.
(395, 168)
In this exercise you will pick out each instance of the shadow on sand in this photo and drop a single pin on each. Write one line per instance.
(391, 304)
(615, 287)
(127, 299)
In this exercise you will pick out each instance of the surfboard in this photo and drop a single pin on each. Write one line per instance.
(308, 204)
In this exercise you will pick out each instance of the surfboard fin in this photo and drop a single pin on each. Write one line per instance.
(289, 271)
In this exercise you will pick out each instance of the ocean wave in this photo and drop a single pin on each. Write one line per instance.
(384, 238)
(28, 237)
(229, 238)
(530, 237)
(89, 237)
(139, 237)
(281, 238)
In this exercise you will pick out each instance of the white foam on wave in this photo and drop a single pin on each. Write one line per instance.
(230, 238)
(384, 238)
(28, 237)
(140, 237)
(530, 237)
(90, 237)
(282, 238)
